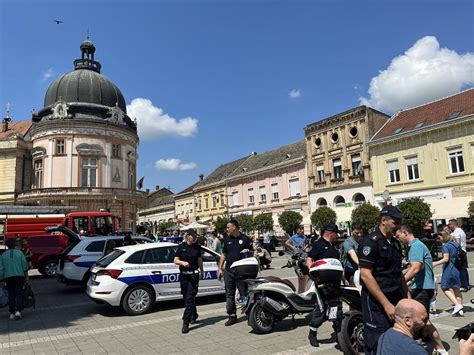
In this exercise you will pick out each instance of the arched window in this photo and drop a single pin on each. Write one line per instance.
(358, 199)
(321, 202)
(339, 201)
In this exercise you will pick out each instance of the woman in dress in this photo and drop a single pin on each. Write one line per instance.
(215, 243)
(451, 278)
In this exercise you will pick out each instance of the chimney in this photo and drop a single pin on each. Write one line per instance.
(201, 177)
(254, 153)
(157, 187)
(147, 191)
(6, 120)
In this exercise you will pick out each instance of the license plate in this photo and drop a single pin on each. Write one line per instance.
(332, 313)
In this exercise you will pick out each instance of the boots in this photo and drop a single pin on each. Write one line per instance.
(231, 321)
(313, 338)
(185, 328)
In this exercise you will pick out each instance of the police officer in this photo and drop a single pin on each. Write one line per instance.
(324, 247)
(236, 246)
(188, 257)
(383, 285)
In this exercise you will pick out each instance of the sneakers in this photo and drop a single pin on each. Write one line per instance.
(17, 315)
(457, 311)
(12, 316)
(231, 321)
(185, 328)
(440, 352)
(313, 339)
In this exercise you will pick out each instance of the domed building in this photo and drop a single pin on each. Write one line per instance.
(84, 145)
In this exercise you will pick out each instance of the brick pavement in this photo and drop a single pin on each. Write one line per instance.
(67, 322)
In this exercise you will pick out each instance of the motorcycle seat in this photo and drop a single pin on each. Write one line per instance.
(283, 281)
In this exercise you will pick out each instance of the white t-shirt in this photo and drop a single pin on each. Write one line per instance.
(267, 237)
(458, 233)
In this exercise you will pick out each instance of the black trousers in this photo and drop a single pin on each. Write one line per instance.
(189, 289)
(376, 321)
(263, 261)
(320, 315)
(15, 293)
(231, 285)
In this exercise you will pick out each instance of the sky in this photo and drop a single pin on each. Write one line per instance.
(210, 81)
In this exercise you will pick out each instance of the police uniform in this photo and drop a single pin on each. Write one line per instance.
(232, 250)
(323, 249)
(384, 256)
(189, 280)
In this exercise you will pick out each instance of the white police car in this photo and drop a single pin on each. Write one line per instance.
(79, 256)
(135, 277)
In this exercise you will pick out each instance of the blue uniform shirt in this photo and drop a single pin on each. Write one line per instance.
(418, 252)
(393, 342)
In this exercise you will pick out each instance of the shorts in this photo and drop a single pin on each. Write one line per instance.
(423, 296)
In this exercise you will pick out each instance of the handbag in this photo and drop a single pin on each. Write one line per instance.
(28, 296)
(3, 296)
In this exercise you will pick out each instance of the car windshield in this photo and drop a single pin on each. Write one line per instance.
(106, 260)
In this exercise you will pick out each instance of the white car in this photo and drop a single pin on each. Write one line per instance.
(135, 277)
(81, 255)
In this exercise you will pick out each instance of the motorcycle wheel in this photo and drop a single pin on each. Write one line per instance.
(261, 320)
(351, 336)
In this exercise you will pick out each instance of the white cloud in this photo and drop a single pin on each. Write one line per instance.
(45, 75)
(173, 164)
(153, 122)
(294, 93)
(425, 72)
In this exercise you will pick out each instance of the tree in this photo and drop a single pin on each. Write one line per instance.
(163, 226)
(470, 212)
(417, 212)
(263, 222)
(367, 215)
(289, 221)
(322, 216)
(245, 222)
(220, 224)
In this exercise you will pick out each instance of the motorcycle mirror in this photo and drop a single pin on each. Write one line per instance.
(280, 253)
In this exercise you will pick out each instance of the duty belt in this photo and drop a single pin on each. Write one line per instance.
(190, 272)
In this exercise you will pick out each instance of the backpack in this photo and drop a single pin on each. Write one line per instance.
(28, 296)
(461, 258)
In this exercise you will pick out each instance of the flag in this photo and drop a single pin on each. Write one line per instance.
(140, 183)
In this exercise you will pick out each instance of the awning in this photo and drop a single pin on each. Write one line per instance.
(448, 208)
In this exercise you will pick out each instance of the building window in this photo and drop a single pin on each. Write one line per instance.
(206, 203)
(412, 168)
(456, 161)
(263, 194)
(131, 177)
(356, 165)
(358, 199)
(320, 172)
(317, 142)
(60, 147)
(222, 201)
(336, 163)
(198, 204)
(251, 196)
(214, 201)
(321, 202)
(116, 150)
(38, 167)
(89, 172)
(235, 198)
(294, 187)
(275, 192)
(393, 171)
(339, 201)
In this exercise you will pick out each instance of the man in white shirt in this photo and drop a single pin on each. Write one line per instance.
(267, 241)
(460, 238)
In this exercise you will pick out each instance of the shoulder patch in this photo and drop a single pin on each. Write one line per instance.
(366, 250)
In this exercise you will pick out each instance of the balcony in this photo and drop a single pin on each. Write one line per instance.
(103, 192)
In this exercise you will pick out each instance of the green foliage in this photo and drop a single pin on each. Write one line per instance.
(245, 222)
(367, 215)
(263, 222)
(470, 212)
(417, 212)
(322, 216)
(220, 225)
(163, 226)
(289, 221)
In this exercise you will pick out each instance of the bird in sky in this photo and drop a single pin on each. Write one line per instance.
(58, 21)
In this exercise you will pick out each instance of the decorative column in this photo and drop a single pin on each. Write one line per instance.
(69, 162)
(108, 164)
(49, 183)
(124, 167)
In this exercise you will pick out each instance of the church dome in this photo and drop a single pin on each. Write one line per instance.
(85, 84)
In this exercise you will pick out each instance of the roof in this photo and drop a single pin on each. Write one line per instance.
(188, 189)
(159, 198)
(429, 114)
(20, 127)
(222, 172)
(272, 158)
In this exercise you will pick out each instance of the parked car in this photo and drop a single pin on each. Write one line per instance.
(137, 276)
(46, 252)
(83, 252)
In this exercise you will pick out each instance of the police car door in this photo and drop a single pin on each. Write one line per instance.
(159, 265)
(210, 284)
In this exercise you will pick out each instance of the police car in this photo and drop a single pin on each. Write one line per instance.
(79, 256)
(135, 277)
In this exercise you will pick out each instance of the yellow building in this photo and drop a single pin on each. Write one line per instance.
(427, 152)
(210, 195)
(15, 159)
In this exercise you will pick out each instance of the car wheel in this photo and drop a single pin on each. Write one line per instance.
(137, 300)
(49, 268)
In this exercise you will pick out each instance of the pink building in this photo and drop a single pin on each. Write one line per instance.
(272, 182)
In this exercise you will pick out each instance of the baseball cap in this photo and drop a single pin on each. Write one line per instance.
(331, 228)
(392, 211)
(192, 232)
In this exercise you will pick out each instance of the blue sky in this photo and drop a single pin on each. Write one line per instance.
(214, 80)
